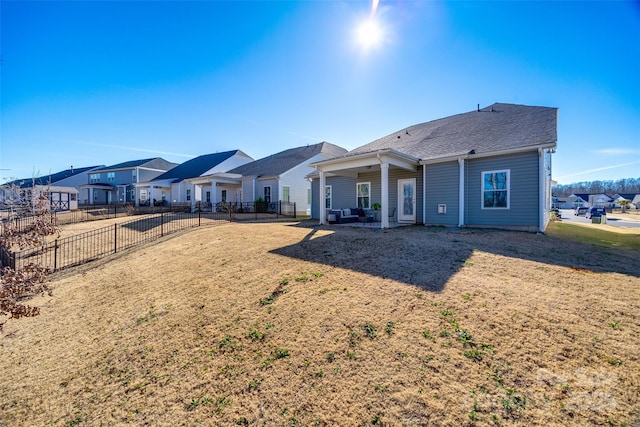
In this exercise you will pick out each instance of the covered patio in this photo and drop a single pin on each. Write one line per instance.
(385, 169)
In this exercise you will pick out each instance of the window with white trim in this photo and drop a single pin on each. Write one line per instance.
(93, 178)
(267, 194)
(495, 189)
(327, 196)
(111, 176)
(363, 190)
(134, 175)
(286, 190)
(224, 196)
(188, 195)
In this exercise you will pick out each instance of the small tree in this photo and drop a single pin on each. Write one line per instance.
(17, 286)
(624, 204)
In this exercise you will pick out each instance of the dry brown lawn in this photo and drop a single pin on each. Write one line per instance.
(291, 324)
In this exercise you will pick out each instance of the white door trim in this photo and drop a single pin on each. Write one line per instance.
(402, 216)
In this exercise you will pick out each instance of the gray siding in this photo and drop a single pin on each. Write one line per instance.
(443, 188)
(523, 210)
(344, 190)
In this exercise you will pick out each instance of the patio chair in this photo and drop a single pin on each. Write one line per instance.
(392, 216)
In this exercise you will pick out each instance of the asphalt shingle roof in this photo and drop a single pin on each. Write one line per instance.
(279, 163)
(196, 167)
(495, 128)
(49, 179)
(153, 163)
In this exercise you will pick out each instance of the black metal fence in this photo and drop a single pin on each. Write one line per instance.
(79, 249)
(70, 251)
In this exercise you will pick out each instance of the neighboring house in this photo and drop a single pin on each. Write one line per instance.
(599, 200)
(575, 201)
(617, 198)
(177, 185)
(115, 184)
(278, 177)
(62, 188)
(485, 168)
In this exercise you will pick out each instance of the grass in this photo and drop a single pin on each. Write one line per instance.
(541, 331)
(600, 237)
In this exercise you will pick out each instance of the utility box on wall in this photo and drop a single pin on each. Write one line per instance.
(442, 209)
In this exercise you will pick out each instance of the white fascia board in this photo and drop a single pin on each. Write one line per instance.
(222, 177)
(455, 157)
(373, 158)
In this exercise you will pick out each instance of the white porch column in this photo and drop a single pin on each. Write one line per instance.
(461, 194)
(253, 190)
(384, 197)
(542, 211)
(90, 195)
(321, 199)
(424, 194)
(136, 196)
(151, 195)
(214, 195)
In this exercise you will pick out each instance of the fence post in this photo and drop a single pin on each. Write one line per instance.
(295, 211)
(199, 216)
(115, 238)
(12, 260)
(161, 224)
(55, 255)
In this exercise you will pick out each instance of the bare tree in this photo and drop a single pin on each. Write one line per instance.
(18, 286)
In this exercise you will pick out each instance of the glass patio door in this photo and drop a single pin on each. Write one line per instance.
(407, 200)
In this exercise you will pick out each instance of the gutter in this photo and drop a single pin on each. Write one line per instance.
(455, 157)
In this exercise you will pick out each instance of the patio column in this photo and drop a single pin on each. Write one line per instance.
(321, 199)
(461, 193)
(151, 195)
(384, 197)
(90, 195)
(214, 195)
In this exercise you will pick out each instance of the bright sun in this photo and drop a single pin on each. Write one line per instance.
(369, 34)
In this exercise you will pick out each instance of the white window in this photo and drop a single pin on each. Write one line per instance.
(267, 194)
(188, 195)
(327, 197)
(111, 176)
(363, 190)
(224, 196)
(208, 196)
(94, 177)
(134, 175)
(143, 195)
(495, 189)
(286, 193)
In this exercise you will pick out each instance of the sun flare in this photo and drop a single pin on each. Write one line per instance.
(369, 34)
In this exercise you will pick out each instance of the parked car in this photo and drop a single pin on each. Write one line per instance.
(595, 213)
(580, 211)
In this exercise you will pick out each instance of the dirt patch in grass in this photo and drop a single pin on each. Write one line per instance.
(292, 324)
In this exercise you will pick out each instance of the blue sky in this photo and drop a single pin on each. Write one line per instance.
(89, 83)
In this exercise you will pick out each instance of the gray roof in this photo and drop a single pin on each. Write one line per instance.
(153, 163)
(197, 166)
(49, 179)
(279, 163)
(498, 127)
